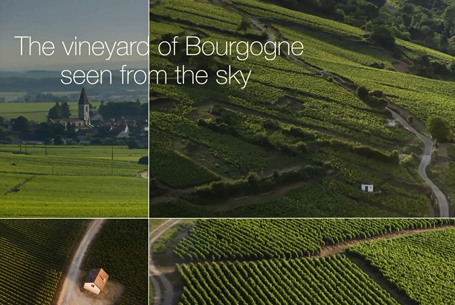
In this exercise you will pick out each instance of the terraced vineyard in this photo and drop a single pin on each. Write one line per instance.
(33, 254)
(288, 117)
(85, 180)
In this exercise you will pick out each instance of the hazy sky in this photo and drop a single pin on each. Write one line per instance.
(61, 20)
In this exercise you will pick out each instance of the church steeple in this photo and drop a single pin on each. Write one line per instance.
(84, 107)
(83, 97)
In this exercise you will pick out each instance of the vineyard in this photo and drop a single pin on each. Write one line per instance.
(33, 254)
(288, 117)
(420, 265)
(317, 261)
(331, 280)
(122, 250)
(283, 238)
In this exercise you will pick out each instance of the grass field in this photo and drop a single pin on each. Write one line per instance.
(33, 254)
(34, 111)
(72, 181)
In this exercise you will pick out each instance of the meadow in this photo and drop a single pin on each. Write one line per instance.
(36, 112)
(72, 181)
(34, 253)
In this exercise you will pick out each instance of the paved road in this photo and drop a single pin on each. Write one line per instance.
(443, 204)
(70, 293)
(155, 273)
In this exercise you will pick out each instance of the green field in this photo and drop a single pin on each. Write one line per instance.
(122, 250)
(72, 181)
(34, 111)
(295, 113)
(33, 254)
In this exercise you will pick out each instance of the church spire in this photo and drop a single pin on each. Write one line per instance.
(83, 97)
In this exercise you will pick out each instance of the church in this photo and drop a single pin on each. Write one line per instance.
(83, 120)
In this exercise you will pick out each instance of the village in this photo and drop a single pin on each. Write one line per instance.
(113, 123)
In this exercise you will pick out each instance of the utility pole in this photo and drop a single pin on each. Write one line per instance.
(45, 149)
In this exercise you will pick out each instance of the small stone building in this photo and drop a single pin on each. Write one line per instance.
(367, 186)
(95, 280)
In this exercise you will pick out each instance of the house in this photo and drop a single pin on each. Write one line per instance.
(367, 186)
(95, 280)
(78, 123)
(124, 133)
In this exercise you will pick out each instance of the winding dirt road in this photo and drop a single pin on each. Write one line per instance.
(70, 293)
(443, 204)
(155, 274)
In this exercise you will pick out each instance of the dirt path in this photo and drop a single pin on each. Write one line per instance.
(443, 204)
(340, 247)
(71, 293)
(155, 274)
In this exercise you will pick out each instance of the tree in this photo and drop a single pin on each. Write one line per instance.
(132, 143)
(71, 131)
(439, 129)
(378, 3)
(384, 36)
(449, 20)
(58, 140)
(244, 25)
(362, 92)
(53, 113)
(22, 125)
(144, 160)
(65, 111)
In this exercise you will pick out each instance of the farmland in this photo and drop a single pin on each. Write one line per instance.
(34, 253)
(121, 249)
(84, 179)
(420, 265)
(296, 113)
(33, 111)
(313, 261)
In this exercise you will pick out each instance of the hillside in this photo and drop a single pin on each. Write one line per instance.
(305, 132)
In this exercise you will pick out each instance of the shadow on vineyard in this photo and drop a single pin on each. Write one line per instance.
(373, 273)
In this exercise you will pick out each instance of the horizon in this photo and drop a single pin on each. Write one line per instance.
(108, 21)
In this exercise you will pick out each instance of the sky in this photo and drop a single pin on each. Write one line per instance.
(62, 20)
